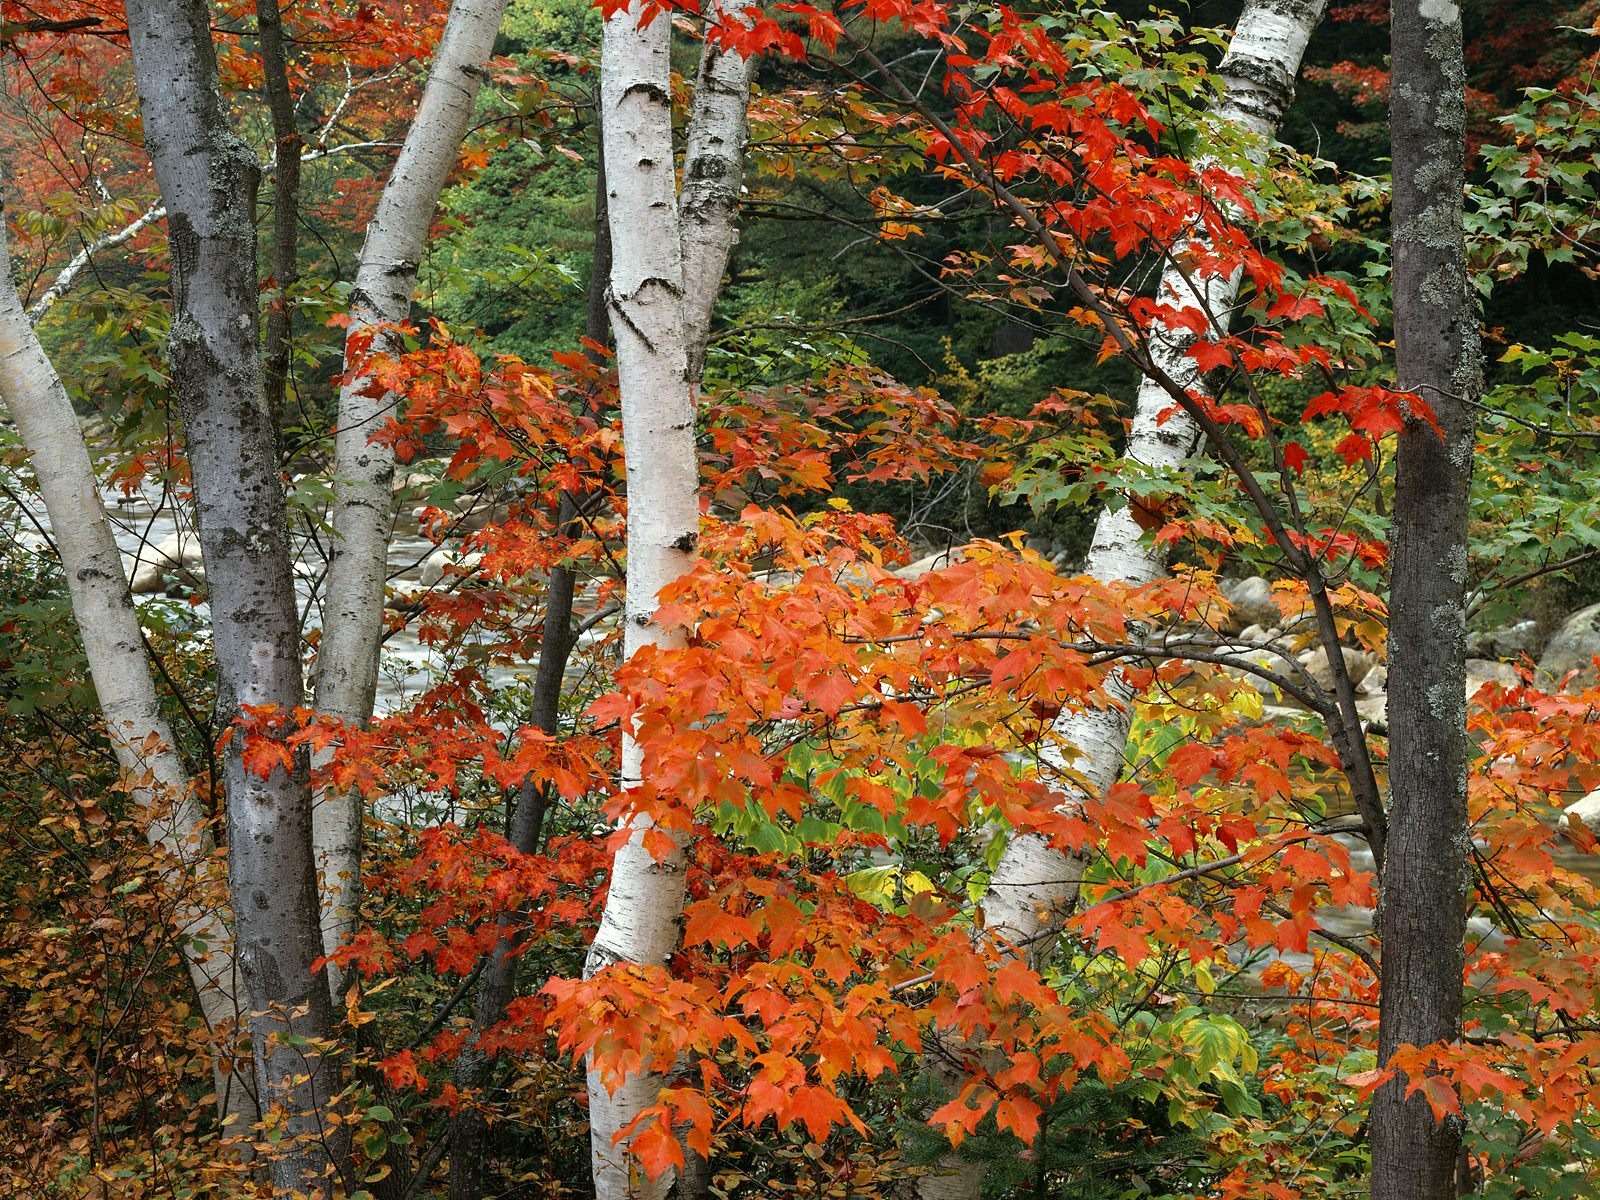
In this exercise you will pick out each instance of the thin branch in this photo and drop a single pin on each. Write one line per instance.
(106, 241)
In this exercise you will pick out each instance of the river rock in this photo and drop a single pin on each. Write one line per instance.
(173, 553)
(1573, 649)
(1376, 682)
(1251, 602)
(1509, 641)
(931, 562)
(1358, 665)
(1486, 670)
(1587, 810)
(437, 563)
(1257, 633)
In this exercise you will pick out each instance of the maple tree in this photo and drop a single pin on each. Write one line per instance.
(735, 845)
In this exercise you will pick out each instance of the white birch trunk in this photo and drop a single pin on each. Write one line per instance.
(1034, 886)
(363, 473)
(103, 610)
(713, 182)
(208, 180)
(640, 922)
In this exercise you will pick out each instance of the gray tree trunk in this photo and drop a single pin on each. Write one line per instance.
(175, 821)
(669, 254)
(1034, 885)
(1426, 873)
(640, 921)
(208, 180)
(363, 473)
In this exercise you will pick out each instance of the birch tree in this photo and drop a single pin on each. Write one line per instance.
(640, 922)
(1034, 886)
(669, 254)
(1426, 874)
(102, 607)
(208, 179)
(363, 471)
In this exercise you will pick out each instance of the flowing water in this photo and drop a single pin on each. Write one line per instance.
(144, 522)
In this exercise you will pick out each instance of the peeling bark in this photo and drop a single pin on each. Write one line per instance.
(363, 473)
(1427, 871)
(208, 181)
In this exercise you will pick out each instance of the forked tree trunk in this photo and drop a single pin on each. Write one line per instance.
(363, 473)
(1034, 886)
(102, 607)
(640, 922)
(1426, 873)
(208, 180)
(669, 254)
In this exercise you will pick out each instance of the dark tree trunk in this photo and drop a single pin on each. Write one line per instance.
(285, 206)
(208, 180)
(498, 987)
(1422, 913)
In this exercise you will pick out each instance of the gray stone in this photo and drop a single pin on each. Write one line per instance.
(1486, 670)
(1251, 602)
(1509, 641)
(1358, 665)
(436, 564)
(1587, 810)
(1573, 649)
(1256, 633)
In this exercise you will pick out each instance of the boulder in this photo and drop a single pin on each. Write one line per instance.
(1573, 649)
(1509, 641)
(1357, 663)
(1376, 682)
(930, 562)
(1486, 670)
(436, 564)
(1263, 658)
(1256, 633)
(1587, 810)
(1251, 602)
(147, 580)
(173, 554)
(177, 550)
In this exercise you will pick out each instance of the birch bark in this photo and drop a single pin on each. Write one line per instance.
(713, 182)
(363, 473)
(1426, 874)
(103, 609)
(1034, 886)
(640, 922)
(208, 181)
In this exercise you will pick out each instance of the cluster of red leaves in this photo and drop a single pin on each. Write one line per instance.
(851, 424)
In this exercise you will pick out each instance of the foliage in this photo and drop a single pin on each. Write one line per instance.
(847, 745)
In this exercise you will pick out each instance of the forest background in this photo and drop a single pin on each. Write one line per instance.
(908, 428)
